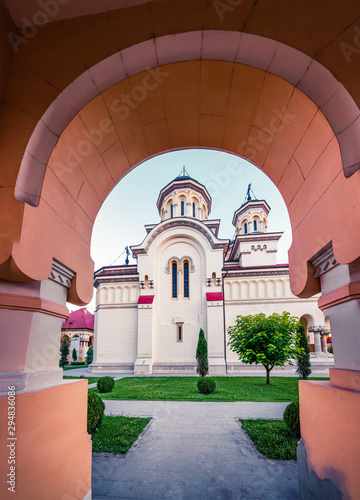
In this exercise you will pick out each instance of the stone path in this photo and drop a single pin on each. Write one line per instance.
(194, 451)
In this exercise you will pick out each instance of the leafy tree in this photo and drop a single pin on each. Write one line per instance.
(202, 355)
(303, 354)
(89, 356)
(64, 352)
(265, 340)
(74, 355)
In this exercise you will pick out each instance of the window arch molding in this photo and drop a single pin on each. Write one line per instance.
(180, 262)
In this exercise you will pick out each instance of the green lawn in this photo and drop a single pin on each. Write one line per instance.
(117, 434)
(271, 437)
(90, 380)
(184, 389)
(74, 367)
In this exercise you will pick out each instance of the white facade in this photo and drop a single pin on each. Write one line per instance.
(148, 316)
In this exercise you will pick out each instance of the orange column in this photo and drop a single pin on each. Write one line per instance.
(45, 448)
(329, 453)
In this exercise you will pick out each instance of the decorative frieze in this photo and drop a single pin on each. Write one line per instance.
(324, 261)
(61, 274)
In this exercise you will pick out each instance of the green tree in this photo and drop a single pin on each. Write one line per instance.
(64, 353)
(265, 340)
(202, 355)
(89, 356)
(303, 353)
(74, 355)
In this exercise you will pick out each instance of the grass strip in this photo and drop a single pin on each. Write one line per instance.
(90, 380)
(116, 434)
(74, 367)
(281, 389)
(272, 438)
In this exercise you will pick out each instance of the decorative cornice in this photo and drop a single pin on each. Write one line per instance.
(61, 274)
(181, 222)
(345, 293)
(251, 204)
(324, 261)
(107, 279)
(179, 184)
(32, 304)
(244, 274)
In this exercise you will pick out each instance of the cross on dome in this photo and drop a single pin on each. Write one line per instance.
(184, 172)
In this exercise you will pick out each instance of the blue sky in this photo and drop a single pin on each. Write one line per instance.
(132, 203)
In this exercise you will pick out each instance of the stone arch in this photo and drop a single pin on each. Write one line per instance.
(96, 177)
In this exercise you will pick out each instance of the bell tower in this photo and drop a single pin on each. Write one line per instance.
(253, 245)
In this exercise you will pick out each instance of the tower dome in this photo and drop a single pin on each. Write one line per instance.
(252, 216)
(184, 197)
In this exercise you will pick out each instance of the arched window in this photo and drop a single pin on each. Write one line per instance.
(174, 280)
(182, 208)
(245, 228)
(171, 210)
(186, 279)
(255, 225)
(193, 209)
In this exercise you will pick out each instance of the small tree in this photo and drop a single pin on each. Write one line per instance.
(265, 340)
(64, 352)
(74, 355)
(89, 356)
(202, 355)
(303, 354)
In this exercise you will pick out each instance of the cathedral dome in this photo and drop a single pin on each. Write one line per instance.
(184, 197)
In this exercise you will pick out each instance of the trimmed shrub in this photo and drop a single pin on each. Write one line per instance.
(105, 384)
(206, 385)
(292, 418)
(95, 412)
(202, 355)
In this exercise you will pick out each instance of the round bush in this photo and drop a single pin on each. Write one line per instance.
(206, 385)
(105, 384)
(292, 418)
(95, 413)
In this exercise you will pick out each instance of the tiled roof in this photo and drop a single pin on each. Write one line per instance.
(78, 320)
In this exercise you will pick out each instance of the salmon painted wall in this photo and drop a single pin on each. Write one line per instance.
(50, 425)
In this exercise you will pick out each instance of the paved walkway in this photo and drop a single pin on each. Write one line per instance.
(194, 451)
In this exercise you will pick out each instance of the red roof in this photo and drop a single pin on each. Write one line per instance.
(79, 320)
(146, 299)
(214, 296)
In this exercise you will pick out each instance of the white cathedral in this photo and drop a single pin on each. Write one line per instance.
(148, 316)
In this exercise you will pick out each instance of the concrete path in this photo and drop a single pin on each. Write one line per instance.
(194, 451)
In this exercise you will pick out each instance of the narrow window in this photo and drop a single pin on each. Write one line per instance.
(174, 280)
(179, 332)
(245, 228)
(186, 279)
(182, 208)
(255, 225)
(172, 210)
(193, 209)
